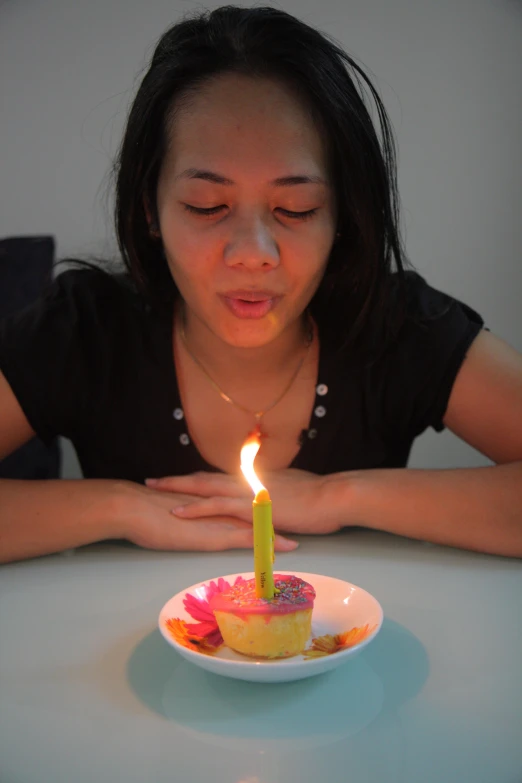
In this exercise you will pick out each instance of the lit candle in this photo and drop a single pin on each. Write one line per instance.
(262, 517)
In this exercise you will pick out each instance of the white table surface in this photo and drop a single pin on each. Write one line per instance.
(89, 690)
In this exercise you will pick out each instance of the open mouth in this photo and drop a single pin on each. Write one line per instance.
(250, 304)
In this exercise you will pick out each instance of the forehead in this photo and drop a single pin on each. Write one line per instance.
(239, 123)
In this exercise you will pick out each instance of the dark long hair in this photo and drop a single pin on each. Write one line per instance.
(357, 285)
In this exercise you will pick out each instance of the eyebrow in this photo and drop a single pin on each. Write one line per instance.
(280, 182)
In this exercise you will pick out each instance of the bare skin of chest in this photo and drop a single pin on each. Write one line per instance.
(219, 429)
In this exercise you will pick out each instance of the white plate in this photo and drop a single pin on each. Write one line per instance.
(339, 606)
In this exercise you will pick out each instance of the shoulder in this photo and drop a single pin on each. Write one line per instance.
(81, 307)
(90, 295)
(423, 358)
(405, 372)
(421, 303)
(57, 353)
(87, 283)
(407, 311)
(434, 326)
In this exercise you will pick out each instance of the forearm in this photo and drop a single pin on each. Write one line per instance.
(472, 508)
(40, 517)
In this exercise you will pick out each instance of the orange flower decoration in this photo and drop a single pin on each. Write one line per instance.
(181, 633)
(328, 644)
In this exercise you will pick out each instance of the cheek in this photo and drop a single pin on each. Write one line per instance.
(310, 262)
(189, 252)
(194, 269)
(314, 249)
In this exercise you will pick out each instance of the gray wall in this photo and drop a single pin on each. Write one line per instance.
(449, 71)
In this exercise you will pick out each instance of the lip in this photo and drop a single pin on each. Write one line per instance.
(249, 295)
(247, 304)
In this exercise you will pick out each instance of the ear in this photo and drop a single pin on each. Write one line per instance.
(154, 228)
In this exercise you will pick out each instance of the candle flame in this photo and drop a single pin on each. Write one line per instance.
(248, 454)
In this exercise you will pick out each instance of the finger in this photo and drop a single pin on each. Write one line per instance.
(282, 544)
(212, 536)
(215, 506)
(218, 536)
(215, 534)
(201, 483)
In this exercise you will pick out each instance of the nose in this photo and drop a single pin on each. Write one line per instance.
(252, 245)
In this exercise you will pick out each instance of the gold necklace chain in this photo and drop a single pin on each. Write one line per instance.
(258, 415)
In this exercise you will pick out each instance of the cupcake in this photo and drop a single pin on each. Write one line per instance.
(277, 627)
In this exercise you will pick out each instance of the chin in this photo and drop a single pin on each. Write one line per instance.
(246, 333)
(243, 341)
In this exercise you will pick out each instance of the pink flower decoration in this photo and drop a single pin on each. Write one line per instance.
(198, 607)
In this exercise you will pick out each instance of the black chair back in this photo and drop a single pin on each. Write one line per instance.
(25, 269)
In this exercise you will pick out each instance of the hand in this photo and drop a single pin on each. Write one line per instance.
(299, 499)
(150, 523)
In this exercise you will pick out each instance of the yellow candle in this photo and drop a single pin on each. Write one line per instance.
(263, 544)
(262, 519)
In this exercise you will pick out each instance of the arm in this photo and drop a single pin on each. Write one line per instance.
(471, 508)
(40, 517)
(474, 508)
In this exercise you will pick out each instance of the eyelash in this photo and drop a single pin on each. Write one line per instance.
(211, 211)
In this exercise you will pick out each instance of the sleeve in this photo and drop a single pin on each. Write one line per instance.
(422, 364)
(49, 354)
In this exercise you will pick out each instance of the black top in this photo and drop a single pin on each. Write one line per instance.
(92, 362)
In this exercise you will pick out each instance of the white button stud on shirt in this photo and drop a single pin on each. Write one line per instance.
(178, 414)
(184, 439)
(322, 389)
(320, 411)
(312, 434)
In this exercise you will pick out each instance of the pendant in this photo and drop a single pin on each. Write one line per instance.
(257, 432)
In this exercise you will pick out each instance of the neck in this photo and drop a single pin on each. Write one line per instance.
(229, 364)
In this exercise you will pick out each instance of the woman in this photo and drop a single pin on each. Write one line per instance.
(266, 286)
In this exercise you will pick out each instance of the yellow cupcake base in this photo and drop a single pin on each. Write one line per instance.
(266, 636)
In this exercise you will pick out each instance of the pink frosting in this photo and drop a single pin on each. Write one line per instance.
(295, 594)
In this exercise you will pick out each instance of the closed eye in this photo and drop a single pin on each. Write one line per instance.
(210, 211)
(298, 215)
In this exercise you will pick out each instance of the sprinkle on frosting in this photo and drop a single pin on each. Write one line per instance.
(294, 594)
